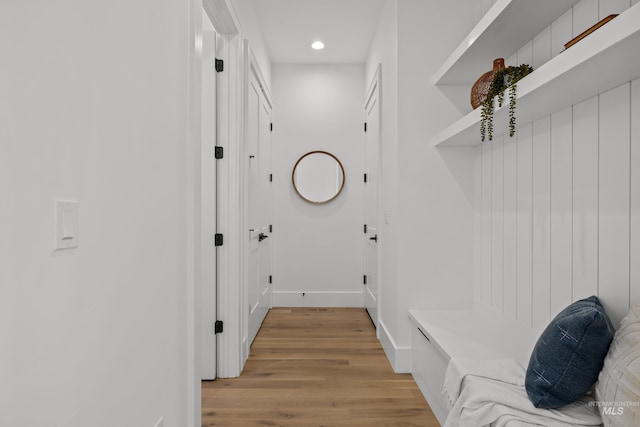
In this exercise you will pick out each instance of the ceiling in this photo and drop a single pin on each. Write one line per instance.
(346, 27)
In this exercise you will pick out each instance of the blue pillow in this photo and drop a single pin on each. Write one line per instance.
(569, 354)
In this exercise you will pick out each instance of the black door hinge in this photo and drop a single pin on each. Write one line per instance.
(219, 152)
(365, 126)
(270, 177)
(219, 239)
(364, 279)
(218, 327)
(270, 228)
(270, 279)
(219, 65)
(271, 127)
(365, 177)
(365, 229)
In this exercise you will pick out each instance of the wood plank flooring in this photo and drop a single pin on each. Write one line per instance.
(316, 367)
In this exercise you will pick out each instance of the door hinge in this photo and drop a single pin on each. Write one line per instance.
(271, 126)
(365, 126)
(219, 65)
(364, 279)
(270, 228)
(270, 279)
(365, 229)
(219, 152)
(365, 177)
(219, 239)
(218, 327)
(270, 177)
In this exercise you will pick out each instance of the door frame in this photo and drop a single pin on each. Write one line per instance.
(376, 84)
(250, 66)
(229, 48)
(207, 259)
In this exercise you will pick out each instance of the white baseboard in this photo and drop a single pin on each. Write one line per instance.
(317, 299)
(399, 357)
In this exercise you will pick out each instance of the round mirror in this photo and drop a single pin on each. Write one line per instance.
(318, 177)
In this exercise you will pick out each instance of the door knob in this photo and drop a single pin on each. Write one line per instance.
(262, 236)
(374, 238)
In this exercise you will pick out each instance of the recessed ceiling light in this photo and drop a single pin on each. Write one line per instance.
(317, 45)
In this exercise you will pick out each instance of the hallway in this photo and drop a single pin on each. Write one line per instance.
(316, 367)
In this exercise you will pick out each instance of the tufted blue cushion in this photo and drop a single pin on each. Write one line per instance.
(569, 354)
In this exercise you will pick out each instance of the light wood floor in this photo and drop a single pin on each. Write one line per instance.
(316, 367)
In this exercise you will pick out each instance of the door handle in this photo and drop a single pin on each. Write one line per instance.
(262, 236)
(374, 238)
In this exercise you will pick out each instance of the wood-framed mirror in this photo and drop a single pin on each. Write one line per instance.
(318, 177)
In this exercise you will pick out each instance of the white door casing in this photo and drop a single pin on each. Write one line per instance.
(371, 199)
(230, 176)
(208, 211)
(258, 151)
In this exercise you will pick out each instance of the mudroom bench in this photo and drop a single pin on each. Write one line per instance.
(438, 336)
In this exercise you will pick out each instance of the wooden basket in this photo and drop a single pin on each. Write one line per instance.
(481, 87)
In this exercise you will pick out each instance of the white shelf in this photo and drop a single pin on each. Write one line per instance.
(604, 60)
(505, 28)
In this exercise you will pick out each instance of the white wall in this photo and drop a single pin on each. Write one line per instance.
(435, 191)
(428, 192)
(558, 203)
(384, 51)
(94, 108)
(318, 248)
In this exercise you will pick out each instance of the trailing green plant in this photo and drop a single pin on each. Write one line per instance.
(502, 80)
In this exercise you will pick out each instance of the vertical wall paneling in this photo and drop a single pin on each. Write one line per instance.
(561, 210)
(585, 199)
(541, 222)
(585, 14)
(485, 289)
(558, 211)
(614, 180)
(607, 7)
(525, 55)
(524, 223)
(510, 280)
(477, 218)
(635, 193)
(542, 48)
(497, 223)
(561, 32)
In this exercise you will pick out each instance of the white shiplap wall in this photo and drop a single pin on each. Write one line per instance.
(559, 204)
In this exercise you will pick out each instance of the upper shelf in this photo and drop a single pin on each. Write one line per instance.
(602, 61)
(505, 28)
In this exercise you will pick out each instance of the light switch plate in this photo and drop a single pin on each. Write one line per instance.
(66, 218)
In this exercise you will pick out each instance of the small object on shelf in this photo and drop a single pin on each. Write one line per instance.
(588, 31)
(481, 87)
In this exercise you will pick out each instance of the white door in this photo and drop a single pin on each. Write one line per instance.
(259, 204)
(371, 210)
(264, 240)
(208, 199)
